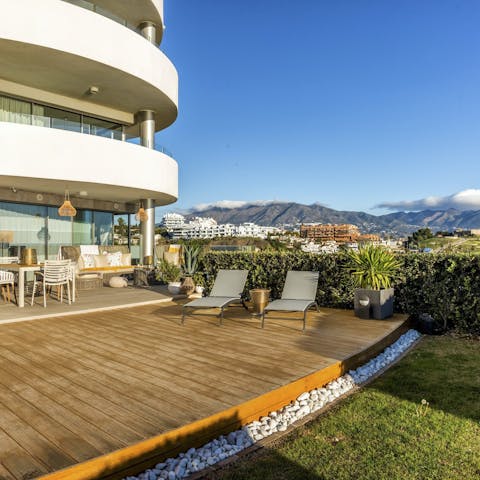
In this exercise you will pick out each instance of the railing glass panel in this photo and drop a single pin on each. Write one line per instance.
(19, 111)
(105, 13)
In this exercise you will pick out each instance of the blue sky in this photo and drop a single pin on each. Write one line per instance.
(346, 103)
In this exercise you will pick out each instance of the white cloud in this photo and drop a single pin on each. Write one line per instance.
(229, 204)
(465, 200)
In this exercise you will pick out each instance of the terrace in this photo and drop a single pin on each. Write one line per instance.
(111, 392)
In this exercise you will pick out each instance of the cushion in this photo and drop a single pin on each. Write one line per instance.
(114, 259)
(88, 260)
(126, 259)
(100, 261)
(89, 249)
(117, 282)
(89, 275)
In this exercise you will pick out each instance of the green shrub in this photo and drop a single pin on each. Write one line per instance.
(373, 267)
(447, 286)
(168, 272)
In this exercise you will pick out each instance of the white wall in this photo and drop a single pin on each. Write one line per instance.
(62, 27)
(51, 160)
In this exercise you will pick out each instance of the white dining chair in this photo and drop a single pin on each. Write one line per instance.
(56, 273)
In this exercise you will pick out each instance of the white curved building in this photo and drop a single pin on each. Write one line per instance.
(79, 82)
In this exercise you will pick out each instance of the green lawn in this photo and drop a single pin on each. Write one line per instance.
(450, 244)
(384, 431)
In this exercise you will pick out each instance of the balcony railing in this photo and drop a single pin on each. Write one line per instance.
(157, 147)
(86, 125)
(105, 13)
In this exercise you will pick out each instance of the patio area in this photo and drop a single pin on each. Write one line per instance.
(108, 393)
(86, 301)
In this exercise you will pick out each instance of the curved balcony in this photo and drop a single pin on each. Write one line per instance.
(121, 11)
(73, 48)
(48, 160)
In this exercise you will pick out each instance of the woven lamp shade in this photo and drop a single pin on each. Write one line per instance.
(67, 209)
(141, 215)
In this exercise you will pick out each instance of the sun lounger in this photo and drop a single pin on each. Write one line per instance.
(298, 295)
(227, 289)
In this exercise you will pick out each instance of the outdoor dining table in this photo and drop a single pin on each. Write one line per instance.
(22, 270)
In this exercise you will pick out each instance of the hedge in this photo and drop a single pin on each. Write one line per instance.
(444, 285)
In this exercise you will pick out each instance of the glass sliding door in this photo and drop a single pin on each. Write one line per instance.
(102, 128)
(60, 232)
(23, 226)
(44, 116)
(103, 228)
(15, 111)
(83, 228)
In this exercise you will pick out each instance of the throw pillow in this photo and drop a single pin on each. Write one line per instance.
(114, 259)
(126, 259)
(100, 260)
(88, 260)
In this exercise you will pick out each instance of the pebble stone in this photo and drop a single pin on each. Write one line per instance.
(223, 447)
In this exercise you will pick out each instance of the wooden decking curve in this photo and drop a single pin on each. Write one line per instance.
(105, 394)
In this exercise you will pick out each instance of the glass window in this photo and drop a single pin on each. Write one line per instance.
(83, 227)
(103, 225)
(59, 230)
(102, 128)
(56, 118)
(15, 111)
(120, 229)
(22, 226)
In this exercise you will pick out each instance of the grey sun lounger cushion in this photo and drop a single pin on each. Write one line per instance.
(298, 294)
(227, 289)
(211, 302)
(290, 305)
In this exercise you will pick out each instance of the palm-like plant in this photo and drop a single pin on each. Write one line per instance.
(373, 267)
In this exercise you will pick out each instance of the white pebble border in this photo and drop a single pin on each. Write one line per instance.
(197, 459)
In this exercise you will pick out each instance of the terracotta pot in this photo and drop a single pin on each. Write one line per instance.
(188, 286)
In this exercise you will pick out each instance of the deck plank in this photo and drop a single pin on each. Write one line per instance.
(75, 387)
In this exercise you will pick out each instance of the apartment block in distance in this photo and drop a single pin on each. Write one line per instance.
(84, 87)
(326, 232)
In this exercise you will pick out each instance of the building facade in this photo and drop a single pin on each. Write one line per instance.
(207, 228)
(326, 233)
(84, 87)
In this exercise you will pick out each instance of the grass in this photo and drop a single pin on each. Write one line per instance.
(451, 244)
(384, 431)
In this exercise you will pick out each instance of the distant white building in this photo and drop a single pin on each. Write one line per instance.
(172, 220)
(200, 227)
(327, 247)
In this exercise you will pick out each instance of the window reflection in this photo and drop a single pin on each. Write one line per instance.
(40, 227)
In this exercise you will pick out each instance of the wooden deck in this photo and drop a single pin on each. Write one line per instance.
(87, 300)
(109, 393)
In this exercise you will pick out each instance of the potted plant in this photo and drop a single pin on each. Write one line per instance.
(170, 274)
(191, 256)
(198, 279)
(374, 270)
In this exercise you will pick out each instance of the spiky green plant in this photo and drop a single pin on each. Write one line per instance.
(373, 267)
(191, 256)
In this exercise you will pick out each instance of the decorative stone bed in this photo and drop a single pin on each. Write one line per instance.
(195, 460)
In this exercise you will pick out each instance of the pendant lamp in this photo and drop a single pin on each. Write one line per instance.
(67, 209)
(141, 215)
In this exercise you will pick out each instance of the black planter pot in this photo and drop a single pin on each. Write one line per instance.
(377, 304)
(427, 325)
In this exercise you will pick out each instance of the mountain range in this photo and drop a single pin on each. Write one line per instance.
(291, 213)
